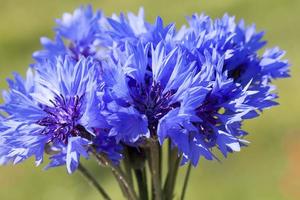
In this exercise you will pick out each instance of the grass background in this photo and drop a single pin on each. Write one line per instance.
(266, 170)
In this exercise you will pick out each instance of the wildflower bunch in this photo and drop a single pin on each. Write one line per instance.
(118, 87)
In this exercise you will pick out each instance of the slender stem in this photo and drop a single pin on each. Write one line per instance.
(126, 187)
(173, 165)
(169, 153)
(154, 166)
(92, 181)
(145, 180)
(186, 180)
(127, 166)
(141, 177)
(160, 162)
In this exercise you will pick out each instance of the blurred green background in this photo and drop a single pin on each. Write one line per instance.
(269, 169)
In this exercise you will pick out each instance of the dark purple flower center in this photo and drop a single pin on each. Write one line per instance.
(209, 112)
(153, 103)
(62, 118)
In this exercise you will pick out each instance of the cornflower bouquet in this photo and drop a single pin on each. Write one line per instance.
(117, 88)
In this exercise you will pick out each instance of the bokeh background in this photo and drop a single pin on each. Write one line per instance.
(269, 169)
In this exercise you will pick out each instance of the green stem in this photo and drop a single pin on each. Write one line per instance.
(154, 166)
(141, 177)
(127, 166)
(186, 180)
(92, 181)
(173, 165)
(121, 178)
(160, 162)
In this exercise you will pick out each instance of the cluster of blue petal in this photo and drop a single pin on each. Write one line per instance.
(107, 82)
(55, 110)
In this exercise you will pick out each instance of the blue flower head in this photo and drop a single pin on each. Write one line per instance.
(79, 27)
(90, 33)
(82, 30)
(55, 109)
(142, 90)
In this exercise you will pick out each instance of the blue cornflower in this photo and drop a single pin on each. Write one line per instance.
(141, 91)
(56, 110)
(238, 43)
(83, 32)
(91, 33)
